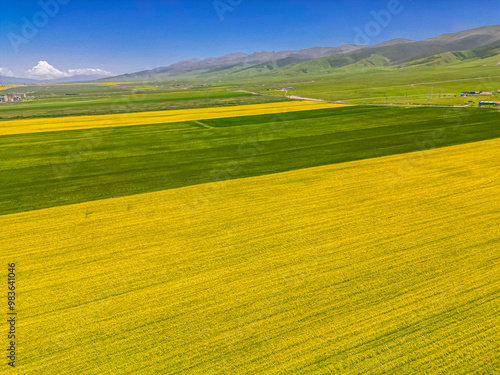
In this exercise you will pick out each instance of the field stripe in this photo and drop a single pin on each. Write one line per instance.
(41, 170)
(313, 271)
(203, 125)
(154, 117)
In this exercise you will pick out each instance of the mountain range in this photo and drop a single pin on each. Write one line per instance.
(475, 43)
(478, 42)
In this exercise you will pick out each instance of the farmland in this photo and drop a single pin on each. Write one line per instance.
(419, 84)
(154, 117)
(250, 187)
(46, 169)
(312, 271)
(249, 234)
(112, 98)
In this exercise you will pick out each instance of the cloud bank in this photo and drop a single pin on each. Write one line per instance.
(6, 72)
(44, 71)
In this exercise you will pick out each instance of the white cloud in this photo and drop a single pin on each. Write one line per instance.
(6, 72)
(43, 70)
(88, 71)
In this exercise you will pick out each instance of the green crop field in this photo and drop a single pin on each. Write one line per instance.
(41, 170)
(324, 270)
(343, 240)
(96, 99)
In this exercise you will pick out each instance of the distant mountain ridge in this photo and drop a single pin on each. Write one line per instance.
(315, 60)
(21, 81)
(257, 57)
(16, 81)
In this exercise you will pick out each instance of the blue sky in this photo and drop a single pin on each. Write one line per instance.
(120, 36)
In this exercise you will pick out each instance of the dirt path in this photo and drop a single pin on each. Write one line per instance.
(312, 99)
(378, 104)
(249, 92)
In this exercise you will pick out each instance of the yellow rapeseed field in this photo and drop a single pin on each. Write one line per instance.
(3, 87)
(324, 270)
(154, 117)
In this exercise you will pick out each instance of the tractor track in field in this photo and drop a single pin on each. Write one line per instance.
(203, 125)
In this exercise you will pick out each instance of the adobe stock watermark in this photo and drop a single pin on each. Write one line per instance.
(381, 19)
(410, 162)
(83, 150)
(31, 26)
(224, 6)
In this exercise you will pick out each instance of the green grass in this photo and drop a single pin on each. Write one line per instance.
(315, 271)
(261, 119)
(93, 104)
(402, 84)
(52, 169)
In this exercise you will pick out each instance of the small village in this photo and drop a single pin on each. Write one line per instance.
(12, 98)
